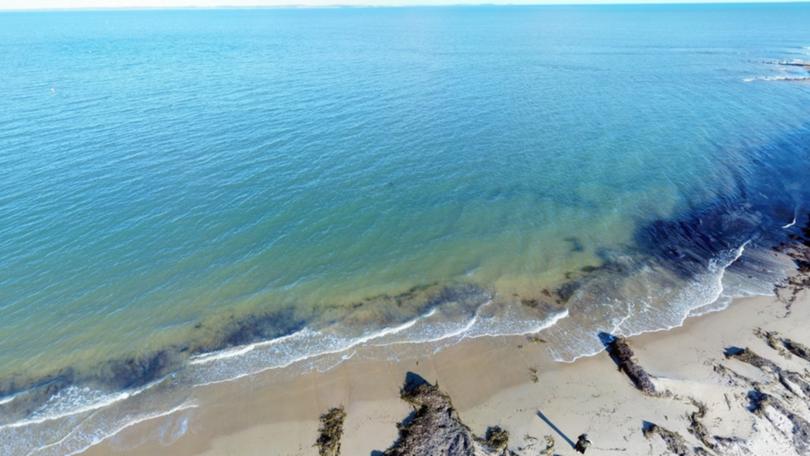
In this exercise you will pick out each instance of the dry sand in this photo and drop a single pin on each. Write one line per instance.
(491, 382)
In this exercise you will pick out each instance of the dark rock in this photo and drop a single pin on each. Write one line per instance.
(622, 355)
(582, 444)
(434, 427)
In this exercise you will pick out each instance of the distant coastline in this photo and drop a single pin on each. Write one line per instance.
(113, 5)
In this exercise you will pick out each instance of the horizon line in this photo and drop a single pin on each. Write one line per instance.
(258, 6)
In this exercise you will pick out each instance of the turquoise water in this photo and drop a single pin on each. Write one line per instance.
(175, 183)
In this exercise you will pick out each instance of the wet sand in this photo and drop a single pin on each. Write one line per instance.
(492, 381)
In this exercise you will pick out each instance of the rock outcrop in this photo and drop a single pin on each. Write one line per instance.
(434, 427)
(623, 356)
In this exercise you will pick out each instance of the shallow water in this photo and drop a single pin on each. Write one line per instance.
(178, 183)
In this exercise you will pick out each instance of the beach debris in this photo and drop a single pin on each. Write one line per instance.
(797, 250)
(531, 302)
(696, 426)
(535, 339)
(733, 378)
(434, 426)
(783, 419)
(330, 432)
(582, 444)
(533, 375)
(623, 356)
(793, 382)
(675, 442)
(772, 339)
(549, 449)
(796, 348)
(785, 346)
(496, 438)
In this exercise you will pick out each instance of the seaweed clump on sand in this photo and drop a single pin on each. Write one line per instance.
(777, 408)
(783, 345)
(330, 432)
(675, 442)
(796, 348)
(769, 407)
(793, 382)
(623, 356)
(798, 250)
(434, 427)
(696, 426)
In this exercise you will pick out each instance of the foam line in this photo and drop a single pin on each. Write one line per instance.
(147, 417)
(737, 254)
(106, 401)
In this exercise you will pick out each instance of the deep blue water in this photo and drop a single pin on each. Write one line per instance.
(177, 182)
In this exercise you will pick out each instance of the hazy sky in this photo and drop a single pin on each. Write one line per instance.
(59, 4)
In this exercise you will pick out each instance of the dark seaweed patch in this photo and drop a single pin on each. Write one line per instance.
(137, 371)
(685, 244)
(576, 244)
(253, 328)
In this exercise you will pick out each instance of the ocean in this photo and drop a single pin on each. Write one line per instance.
(192, 196)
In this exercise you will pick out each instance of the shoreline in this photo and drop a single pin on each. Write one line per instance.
(547, 329)
(491, 382)
(368, 376)
(186, 419)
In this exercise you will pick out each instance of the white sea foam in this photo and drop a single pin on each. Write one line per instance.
(8, 399)
(240, 363)
(713, 282)
(242, 349)
(306, 332)
(789, 78)
(704, 295)
(54, 448)
(280, 354)
(75, 400)
(448, 335)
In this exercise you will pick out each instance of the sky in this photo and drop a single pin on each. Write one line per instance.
(71, 4)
